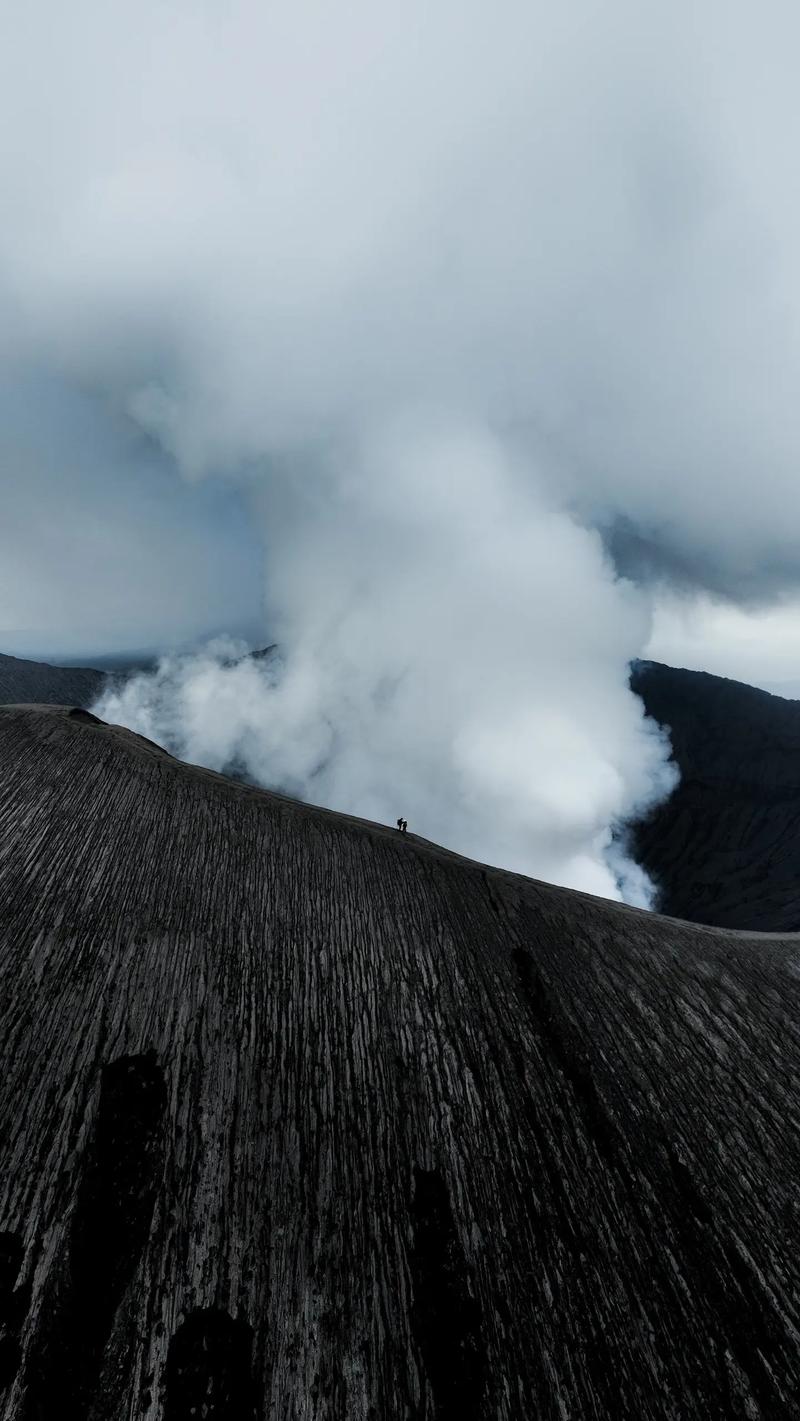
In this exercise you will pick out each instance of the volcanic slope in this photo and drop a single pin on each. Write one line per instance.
(725, 847)
(37, 681)
(303, 1120)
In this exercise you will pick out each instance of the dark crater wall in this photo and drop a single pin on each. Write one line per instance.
(302, 1120)
(725, 848)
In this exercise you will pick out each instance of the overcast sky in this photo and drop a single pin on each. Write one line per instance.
(454, 345)
(104, 548)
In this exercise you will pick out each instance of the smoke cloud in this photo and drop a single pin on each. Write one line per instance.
(457, 652)
(476, 310)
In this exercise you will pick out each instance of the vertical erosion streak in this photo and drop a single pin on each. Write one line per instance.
(728, 1313)
(209, 1369)
(445, 1317)
(69, 1379)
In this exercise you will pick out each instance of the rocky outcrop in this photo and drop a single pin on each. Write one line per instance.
(302, 1118)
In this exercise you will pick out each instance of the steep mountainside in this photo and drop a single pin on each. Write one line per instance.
(36, 681)
(725, 848)
(301, 1118)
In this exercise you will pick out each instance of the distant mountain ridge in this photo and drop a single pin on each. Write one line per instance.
(725, 847)
(37, 682)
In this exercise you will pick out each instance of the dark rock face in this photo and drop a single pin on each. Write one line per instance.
(208, 1369)
(12, 1307)
(73, 1371)
(725, 847)
(34, 681)
(79, 713)
(445, 1317)
(303, 1120)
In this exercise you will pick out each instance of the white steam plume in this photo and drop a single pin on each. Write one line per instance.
(443, 288)
(456, 652)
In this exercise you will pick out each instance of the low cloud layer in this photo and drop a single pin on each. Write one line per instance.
(463, 303)
(758, 645)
